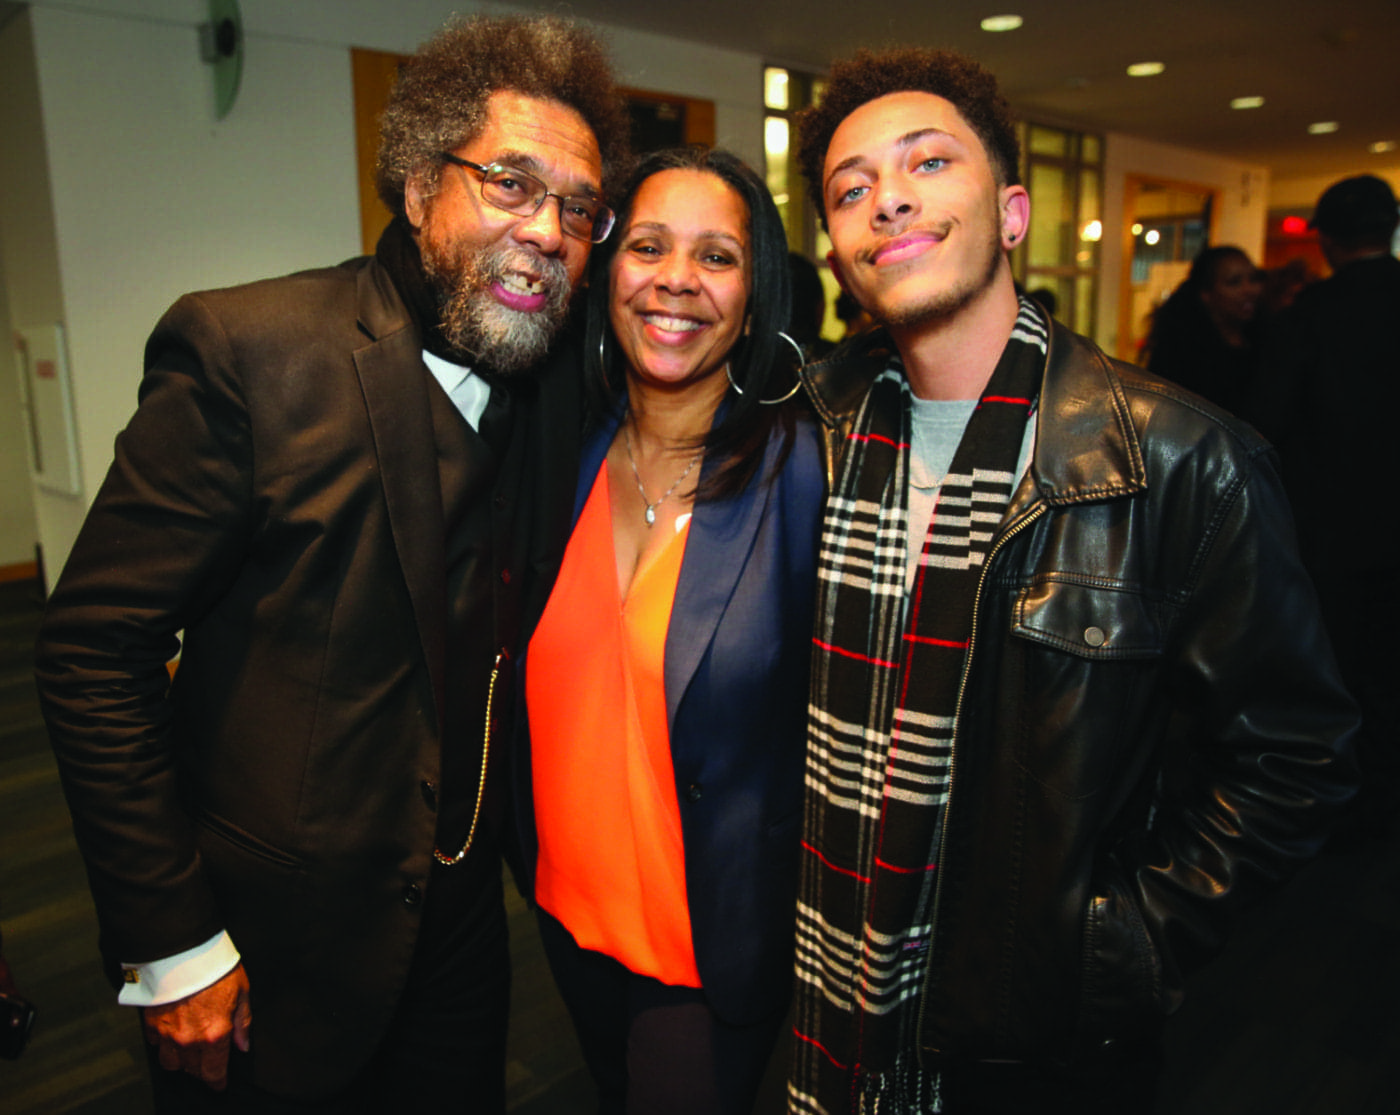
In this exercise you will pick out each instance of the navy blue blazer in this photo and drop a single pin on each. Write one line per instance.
(737, 659)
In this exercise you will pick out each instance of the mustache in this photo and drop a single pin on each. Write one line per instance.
(939, 228)
(523, 261)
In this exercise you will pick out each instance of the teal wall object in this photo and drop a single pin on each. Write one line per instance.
(221, 45)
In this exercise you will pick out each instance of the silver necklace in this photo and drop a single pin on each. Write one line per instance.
(637, 476)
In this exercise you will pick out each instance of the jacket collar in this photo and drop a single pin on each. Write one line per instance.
(379, 307)
(1086, 447)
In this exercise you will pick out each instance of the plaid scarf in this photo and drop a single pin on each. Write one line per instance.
(885, 682)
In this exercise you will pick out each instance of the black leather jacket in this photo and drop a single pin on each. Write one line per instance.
(1151, 724)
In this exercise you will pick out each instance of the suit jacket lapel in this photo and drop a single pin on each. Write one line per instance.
(722, 534)
(595, 449)
(396, 397)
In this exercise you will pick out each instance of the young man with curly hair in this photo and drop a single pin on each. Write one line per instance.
(346, 488)
(1071, 699)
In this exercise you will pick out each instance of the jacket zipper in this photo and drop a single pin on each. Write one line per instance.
(1016, 528)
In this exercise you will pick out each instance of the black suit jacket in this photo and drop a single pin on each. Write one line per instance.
(276, 498)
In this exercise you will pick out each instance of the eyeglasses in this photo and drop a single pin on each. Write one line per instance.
(516, 192)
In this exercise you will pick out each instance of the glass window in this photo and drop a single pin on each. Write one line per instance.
(1051, 216)
(775, 146)
(785, 92)
(1085, 291)
(1088, 196)
(775, 88)
(1048, 141)
(1060, 253)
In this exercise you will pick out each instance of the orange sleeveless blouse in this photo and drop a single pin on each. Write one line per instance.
(611, 864)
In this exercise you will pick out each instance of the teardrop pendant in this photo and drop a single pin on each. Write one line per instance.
(650, 513)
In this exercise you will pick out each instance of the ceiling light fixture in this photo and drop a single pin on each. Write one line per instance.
(1323, 127)
(1146, 69)
(1382, 147)
(1001, 23)
(1247, 102)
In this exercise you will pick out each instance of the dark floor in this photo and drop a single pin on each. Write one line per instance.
(1300, 1016)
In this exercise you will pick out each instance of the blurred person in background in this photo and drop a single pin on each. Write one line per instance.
(1282, 285)
(1327, 398)
(808, 307)
(1204, 336)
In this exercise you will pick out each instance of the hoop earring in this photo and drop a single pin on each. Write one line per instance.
(801, 363)
(602, 360)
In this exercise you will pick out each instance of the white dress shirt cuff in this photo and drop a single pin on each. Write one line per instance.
(179, 976)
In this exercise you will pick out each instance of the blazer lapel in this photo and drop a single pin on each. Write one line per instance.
(396, 398)
(722, 534)
(595, 449)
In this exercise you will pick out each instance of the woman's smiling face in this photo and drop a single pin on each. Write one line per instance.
(680, 279)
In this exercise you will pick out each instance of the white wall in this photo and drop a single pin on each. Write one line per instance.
(18, 528)
(152, 196)
(1240, 219)
(29, 284)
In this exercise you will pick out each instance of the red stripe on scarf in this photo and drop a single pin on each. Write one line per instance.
(825, 1051)
(956, 644)
(858, 657)
(834, 867)
(877, 437)
(905, 870)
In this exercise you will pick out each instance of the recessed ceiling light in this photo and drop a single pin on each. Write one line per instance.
(1145, 69)
(1323, 127)
(1247, 102)
(1001, 23)
(1383, 147)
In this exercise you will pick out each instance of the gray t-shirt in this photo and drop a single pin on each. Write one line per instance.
(937, 429)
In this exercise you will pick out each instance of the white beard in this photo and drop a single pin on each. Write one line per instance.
(474, 323)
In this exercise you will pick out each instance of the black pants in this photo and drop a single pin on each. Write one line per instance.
(444, 1050)
(654, 1048)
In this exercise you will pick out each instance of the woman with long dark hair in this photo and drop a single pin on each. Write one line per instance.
(666, 681)
(1205, 335)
